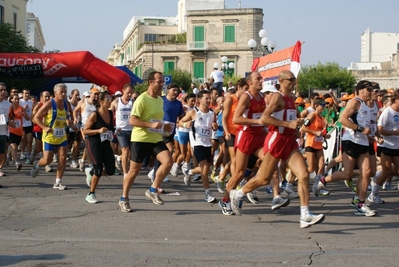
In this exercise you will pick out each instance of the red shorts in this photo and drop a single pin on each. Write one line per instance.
(280, 146)
(248, 143)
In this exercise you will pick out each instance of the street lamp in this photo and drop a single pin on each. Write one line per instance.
(267, 45)
(227, 68)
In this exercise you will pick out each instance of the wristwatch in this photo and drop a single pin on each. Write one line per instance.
(359, 128)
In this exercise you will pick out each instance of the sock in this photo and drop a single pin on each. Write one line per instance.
(323, 180)
(240, 193)
(57, 180)
(375, 190)
(304, 211)
(247, 173)
(207, 191)
(153, 190)
(190, 172)
(225, 199)
(124, 198)
(91, 193)
(361, 203)
(37, 165)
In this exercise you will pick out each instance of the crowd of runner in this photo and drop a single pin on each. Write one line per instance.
(250, 136)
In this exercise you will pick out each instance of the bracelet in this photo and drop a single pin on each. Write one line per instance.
(185, 125)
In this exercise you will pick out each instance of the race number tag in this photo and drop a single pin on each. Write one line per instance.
(125, 116)
(153, 130)
(256, 116)
(58, 132)
(3, 119)
(17, 123)
(108, 135)
(291, 115)
(203, 131)
(319, 139)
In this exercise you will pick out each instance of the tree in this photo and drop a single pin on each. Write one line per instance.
(327, 76)
(181, 78)
(14, 42)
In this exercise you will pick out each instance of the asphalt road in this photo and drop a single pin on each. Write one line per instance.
(42, 226)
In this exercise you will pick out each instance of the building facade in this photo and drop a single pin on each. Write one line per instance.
(14, 12)
(210, 34)
(34, 34)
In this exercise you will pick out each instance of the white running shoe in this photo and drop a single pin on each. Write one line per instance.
(279, 202)
(209, 197)
(311, 219)
(88, 176)
(74, 164)
(375, 199)
(174, 170)
(151, 174)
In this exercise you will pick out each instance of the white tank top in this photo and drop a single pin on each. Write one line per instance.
(182, 129)
(89, 108)
(362, 118)
(373, 118)
(72, 109)
(122, 114)
(201, 129)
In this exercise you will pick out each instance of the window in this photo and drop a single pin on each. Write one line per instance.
(168, 66)
(199, 36)
(150, 37)
(1, 14)
(199, 70)
(229, 33)
(397, 46)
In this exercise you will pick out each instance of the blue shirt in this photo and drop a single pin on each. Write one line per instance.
(172, 110)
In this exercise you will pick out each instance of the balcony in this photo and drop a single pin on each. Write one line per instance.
(197, 46)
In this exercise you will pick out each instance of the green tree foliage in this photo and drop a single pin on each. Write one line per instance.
(14, 42)
(181, 78)
(233, 79)
(326, 76)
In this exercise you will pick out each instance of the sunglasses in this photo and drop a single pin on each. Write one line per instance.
(292, 79)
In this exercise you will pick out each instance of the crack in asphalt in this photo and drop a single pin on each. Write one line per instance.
(316, 253)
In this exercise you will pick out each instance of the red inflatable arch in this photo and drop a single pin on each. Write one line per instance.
(71, 64)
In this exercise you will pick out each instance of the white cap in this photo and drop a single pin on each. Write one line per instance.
(118, 93)
(269, 88)
(86, 93)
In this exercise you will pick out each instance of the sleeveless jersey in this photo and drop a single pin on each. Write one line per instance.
(231, 127)
(36, 128)
(98, 124)
(89, 108)
(29, 103)
(201, 129)
(182, 129)
(16, 115)
(254, 111)
(318, 124)
(122, 115)
(56, 119)
(373, 118)
(362, 118)
(288, 113)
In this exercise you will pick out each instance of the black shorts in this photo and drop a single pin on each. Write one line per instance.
(139, 150)
(311, 149)
(202, 153)
(252, 161)
(389, 152)
(371, 150)
(28, 129)
(101, 156)
(231, 142)
(169, 139)
(15, 139)
(38, 135)
(3, 143)
(74, 137)
(354, 150)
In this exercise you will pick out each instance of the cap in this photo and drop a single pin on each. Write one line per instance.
(299, 100)
(347, 97)
(319, 101)
(118, 93)
(363, 84)
(329, 100)
(86, 93)
(269, 88)
(94, 90)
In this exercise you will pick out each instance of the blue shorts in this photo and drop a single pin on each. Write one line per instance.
(183, 138)
(124, 138)
(51, 147)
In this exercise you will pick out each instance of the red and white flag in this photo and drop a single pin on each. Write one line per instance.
(296, 59)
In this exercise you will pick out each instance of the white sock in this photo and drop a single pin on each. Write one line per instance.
(57, 180)
(240, 194)
(375, 189)
(304, 211)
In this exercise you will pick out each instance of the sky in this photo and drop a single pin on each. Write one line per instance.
(331, 30)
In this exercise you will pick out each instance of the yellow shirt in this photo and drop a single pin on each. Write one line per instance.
(59, 134)
(147, 108)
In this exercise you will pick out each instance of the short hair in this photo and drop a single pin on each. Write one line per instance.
(202, 93)
(128, 85)
(172, 85)
(42, 93)
(103, 94)
(151, 76)
(241, 82)
(26, 89)
(214, 89)
(191, 95)
(361, 85)
(59, 85)
(73, 91)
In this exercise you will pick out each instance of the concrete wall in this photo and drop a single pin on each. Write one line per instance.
(18, 7)
(386, 78)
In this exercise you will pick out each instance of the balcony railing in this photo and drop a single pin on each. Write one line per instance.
(197, 46)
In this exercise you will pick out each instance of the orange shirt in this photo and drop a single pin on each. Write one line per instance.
(16, 115)
(318, 124)
(231, 127)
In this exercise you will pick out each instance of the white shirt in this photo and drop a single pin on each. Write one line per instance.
(217, 76)
(4, 110)
(122, 114)
(389, 120)
(23, 103)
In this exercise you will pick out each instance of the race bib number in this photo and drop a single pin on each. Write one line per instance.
(58, 132)
(291, 115)
(319, 139)
(2, 119)
(108, 135)
(203, 131)
(256, 116)
(153, 130)
(125, 116)
(17, 123)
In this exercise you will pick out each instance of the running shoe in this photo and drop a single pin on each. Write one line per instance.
(2, 173)
(354, 202)
(88, 176)
(348, 183)
(18, 166)
(154, 196)
(151, 175)
(311, 219)
(220, 185)
(55, 159)
(279, 202)
(209, 197)
(59, 186)
(235, 203)
(317, 186)
(166, 179)
(288, 192)
(74, 164)
(375, 199)
(225, 207)
(174, 170)
(91, 198)
(324, 192)
(34, 171)
(252, 197)
(81, 165)
(196, 177)
(364, 210)
(125, 205)
(187, 177)
(388, 186)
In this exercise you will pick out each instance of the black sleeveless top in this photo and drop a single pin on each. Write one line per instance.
(99, 123)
